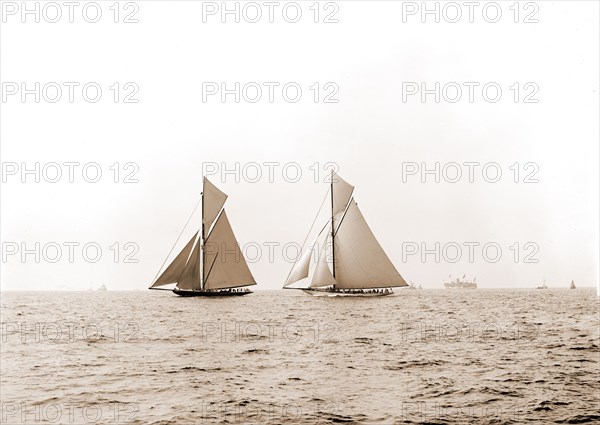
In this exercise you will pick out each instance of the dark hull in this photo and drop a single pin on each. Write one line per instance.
(209, 293)
(340, 293)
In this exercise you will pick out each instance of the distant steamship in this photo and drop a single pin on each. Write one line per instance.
(460, 283)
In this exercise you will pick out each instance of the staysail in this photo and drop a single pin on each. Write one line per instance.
(322, 275)
(302, 266)
(224, 264)
(173, 272)
(190, 278)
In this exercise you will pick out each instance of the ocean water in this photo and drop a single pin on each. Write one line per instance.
(435, 356)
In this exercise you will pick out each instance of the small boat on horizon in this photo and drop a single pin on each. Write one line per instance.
(102, 288)
(573, 285)
(543, 286)
(347, 258)
(198, 270)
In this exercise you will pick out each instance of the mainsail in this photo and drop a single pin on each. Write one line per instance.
(357, 259)
(224, 264)
(213, 262)
(360, 260)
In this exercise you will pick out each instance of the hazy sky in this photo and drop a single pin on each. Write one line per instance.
(377, 132)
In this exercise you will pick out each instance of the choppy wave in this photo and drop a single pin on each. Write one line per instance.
(483, 356)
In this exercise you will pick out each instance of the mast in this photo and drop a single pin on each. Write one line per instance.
(202, 256)
(332, 229)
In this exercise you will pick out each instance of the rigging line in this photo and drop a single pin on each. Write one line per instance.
(308, 234)
(221, 212)
(177, 240)
(210, 270)
(343, 217)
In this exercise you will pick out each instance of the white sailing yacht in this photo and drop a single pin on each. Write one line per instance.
(359, 266)
(211, 263)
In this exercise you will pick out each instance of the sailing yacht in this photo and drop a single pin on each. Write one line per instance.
(359, 266)
(544, 286)
(573, 285)
(211, 263)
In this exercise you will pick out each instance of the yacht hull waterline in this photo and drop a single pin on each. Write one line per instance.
(184, 293)
(334, 293)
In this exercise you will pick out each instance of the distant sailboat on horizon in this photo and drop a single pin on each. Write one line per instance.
(573, 285)
(198, 270)
(359, 266)
(544, 286)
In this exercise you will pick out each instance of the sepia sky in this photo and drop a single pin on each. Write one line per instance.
(378, 136)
